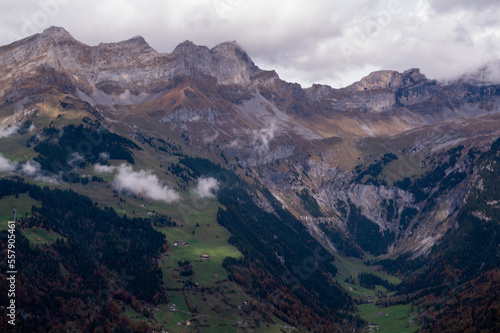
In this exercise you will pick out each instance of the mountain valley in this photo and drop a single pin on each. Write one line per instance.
(195, 192)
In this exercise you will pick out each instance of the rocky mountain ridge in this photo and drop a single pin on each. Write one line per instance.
(321, 191)
(107, 73)
(220, 104)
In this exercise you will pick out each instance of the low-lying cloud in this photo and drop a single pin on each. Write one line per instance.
(34, 170)
(8, 131)
(206, 187)
(17, 128)
(28, 168)
(140, 182)
(263, 137)
(99, 168)
(75, 159)
(103, 157)
(6, 165)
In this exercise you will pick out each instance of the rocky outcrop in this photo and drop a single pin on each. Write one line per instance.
(389, 80)
(370, 199)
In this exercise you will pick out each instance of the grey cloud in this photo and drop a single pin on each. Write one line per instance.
(103, 157)
(442, 6)
(319, 41)
(30, 168)
(262, 138)
(104, 168)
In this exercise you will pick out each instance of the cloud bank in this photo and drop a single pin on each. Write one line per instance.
(139, 183)
(206, 187)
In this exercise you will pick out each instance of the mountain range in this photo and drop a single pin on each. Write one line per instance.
(393, 177)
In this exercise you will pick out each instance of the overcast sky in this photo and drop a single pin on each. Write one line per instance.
(315, 41)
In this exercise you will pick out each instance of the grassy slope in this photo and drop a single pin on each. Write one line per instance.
(399, 320)
(42, 236)
(400, 317)
(23, 206)
(218, 304)
(209, 238)
(9, 203)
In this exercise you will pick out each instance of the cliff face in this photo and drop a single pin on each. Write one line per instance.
(389, 80)
(110, 72)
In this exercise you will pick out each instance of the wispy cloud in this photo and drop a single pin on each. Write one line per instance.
(206, 187)
(6, 165)
(75, 159)
(34, 170)
(99, 168)
(8, 131)
(140, 182)
(263, 137)
(28, 168)
(103, 157)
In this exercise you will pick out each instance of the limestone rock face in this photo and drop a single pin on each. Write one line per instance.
(131, 72)
(114, 69)
(384, 90)
(226, 62)
(389, 80)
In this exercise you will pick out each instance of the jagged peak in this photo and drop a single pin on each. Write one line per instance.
(233, 50)
(136, 40)
(56, 32)
(411, 71)
(187, 42)
(227, 45)
(389, 79)
(188, 46)
(134, 45)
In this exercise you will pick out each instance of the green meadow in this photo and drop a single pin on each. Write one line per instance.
(22, 204)
(400, 318)
(41, 236)
(204, 237)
